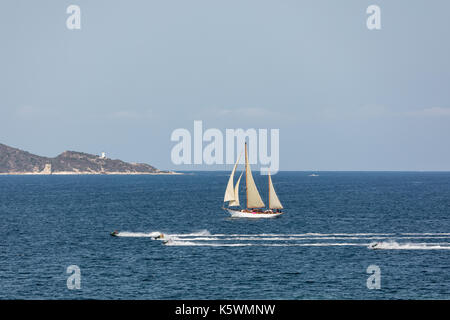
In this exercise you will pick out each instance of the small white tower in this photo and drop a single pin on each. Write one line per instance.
(103, 156)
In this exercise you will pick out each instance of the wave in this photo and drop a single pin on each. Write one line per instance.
(393, 245)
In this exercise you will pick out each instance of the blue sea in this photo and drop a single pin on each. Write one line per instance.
(319, 249)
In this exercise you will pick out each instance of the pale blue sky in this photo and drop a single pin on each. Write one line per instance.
(343, 97)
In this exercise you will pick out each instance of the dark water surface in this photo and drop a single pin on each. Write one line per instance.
(318, 249)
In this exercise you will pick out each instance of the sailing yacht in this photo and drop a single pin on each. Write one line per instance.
(254, 201)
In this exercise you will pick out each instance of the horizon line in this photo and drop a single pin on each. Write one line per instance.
(213, 170)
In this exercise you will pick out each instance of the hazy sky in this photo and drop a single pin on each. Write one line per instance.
(343, 97)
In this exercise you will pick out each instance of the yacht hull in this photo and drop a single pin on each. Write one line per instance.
(252, 215)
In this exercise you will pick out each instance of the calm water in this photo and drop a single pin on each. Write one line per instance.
(318, 249)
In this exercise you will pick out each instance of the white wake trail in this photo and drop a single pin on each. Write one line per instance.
(205, 244)
(193, 234)
(274, 238)
(393, 245)
(426, 234)
(384, 241)
(157, 234)
(138, 234)
(311, 234)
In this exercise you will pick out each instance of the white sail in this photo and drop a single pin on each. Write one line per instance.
(253, 198)
(274, 202)
(229, 193)
(235, 202)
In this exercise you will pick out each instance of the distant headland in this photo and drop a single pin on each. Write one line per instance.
(19, 162)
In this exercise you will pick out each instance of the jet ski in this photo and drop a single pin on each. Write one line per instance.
(374, 245)
(115, 233)
(159, 237)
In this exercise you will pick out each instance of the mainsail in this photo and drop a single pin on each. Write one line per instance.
(229, 193)
(253, 198)
(274, 202)
(235, 202)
